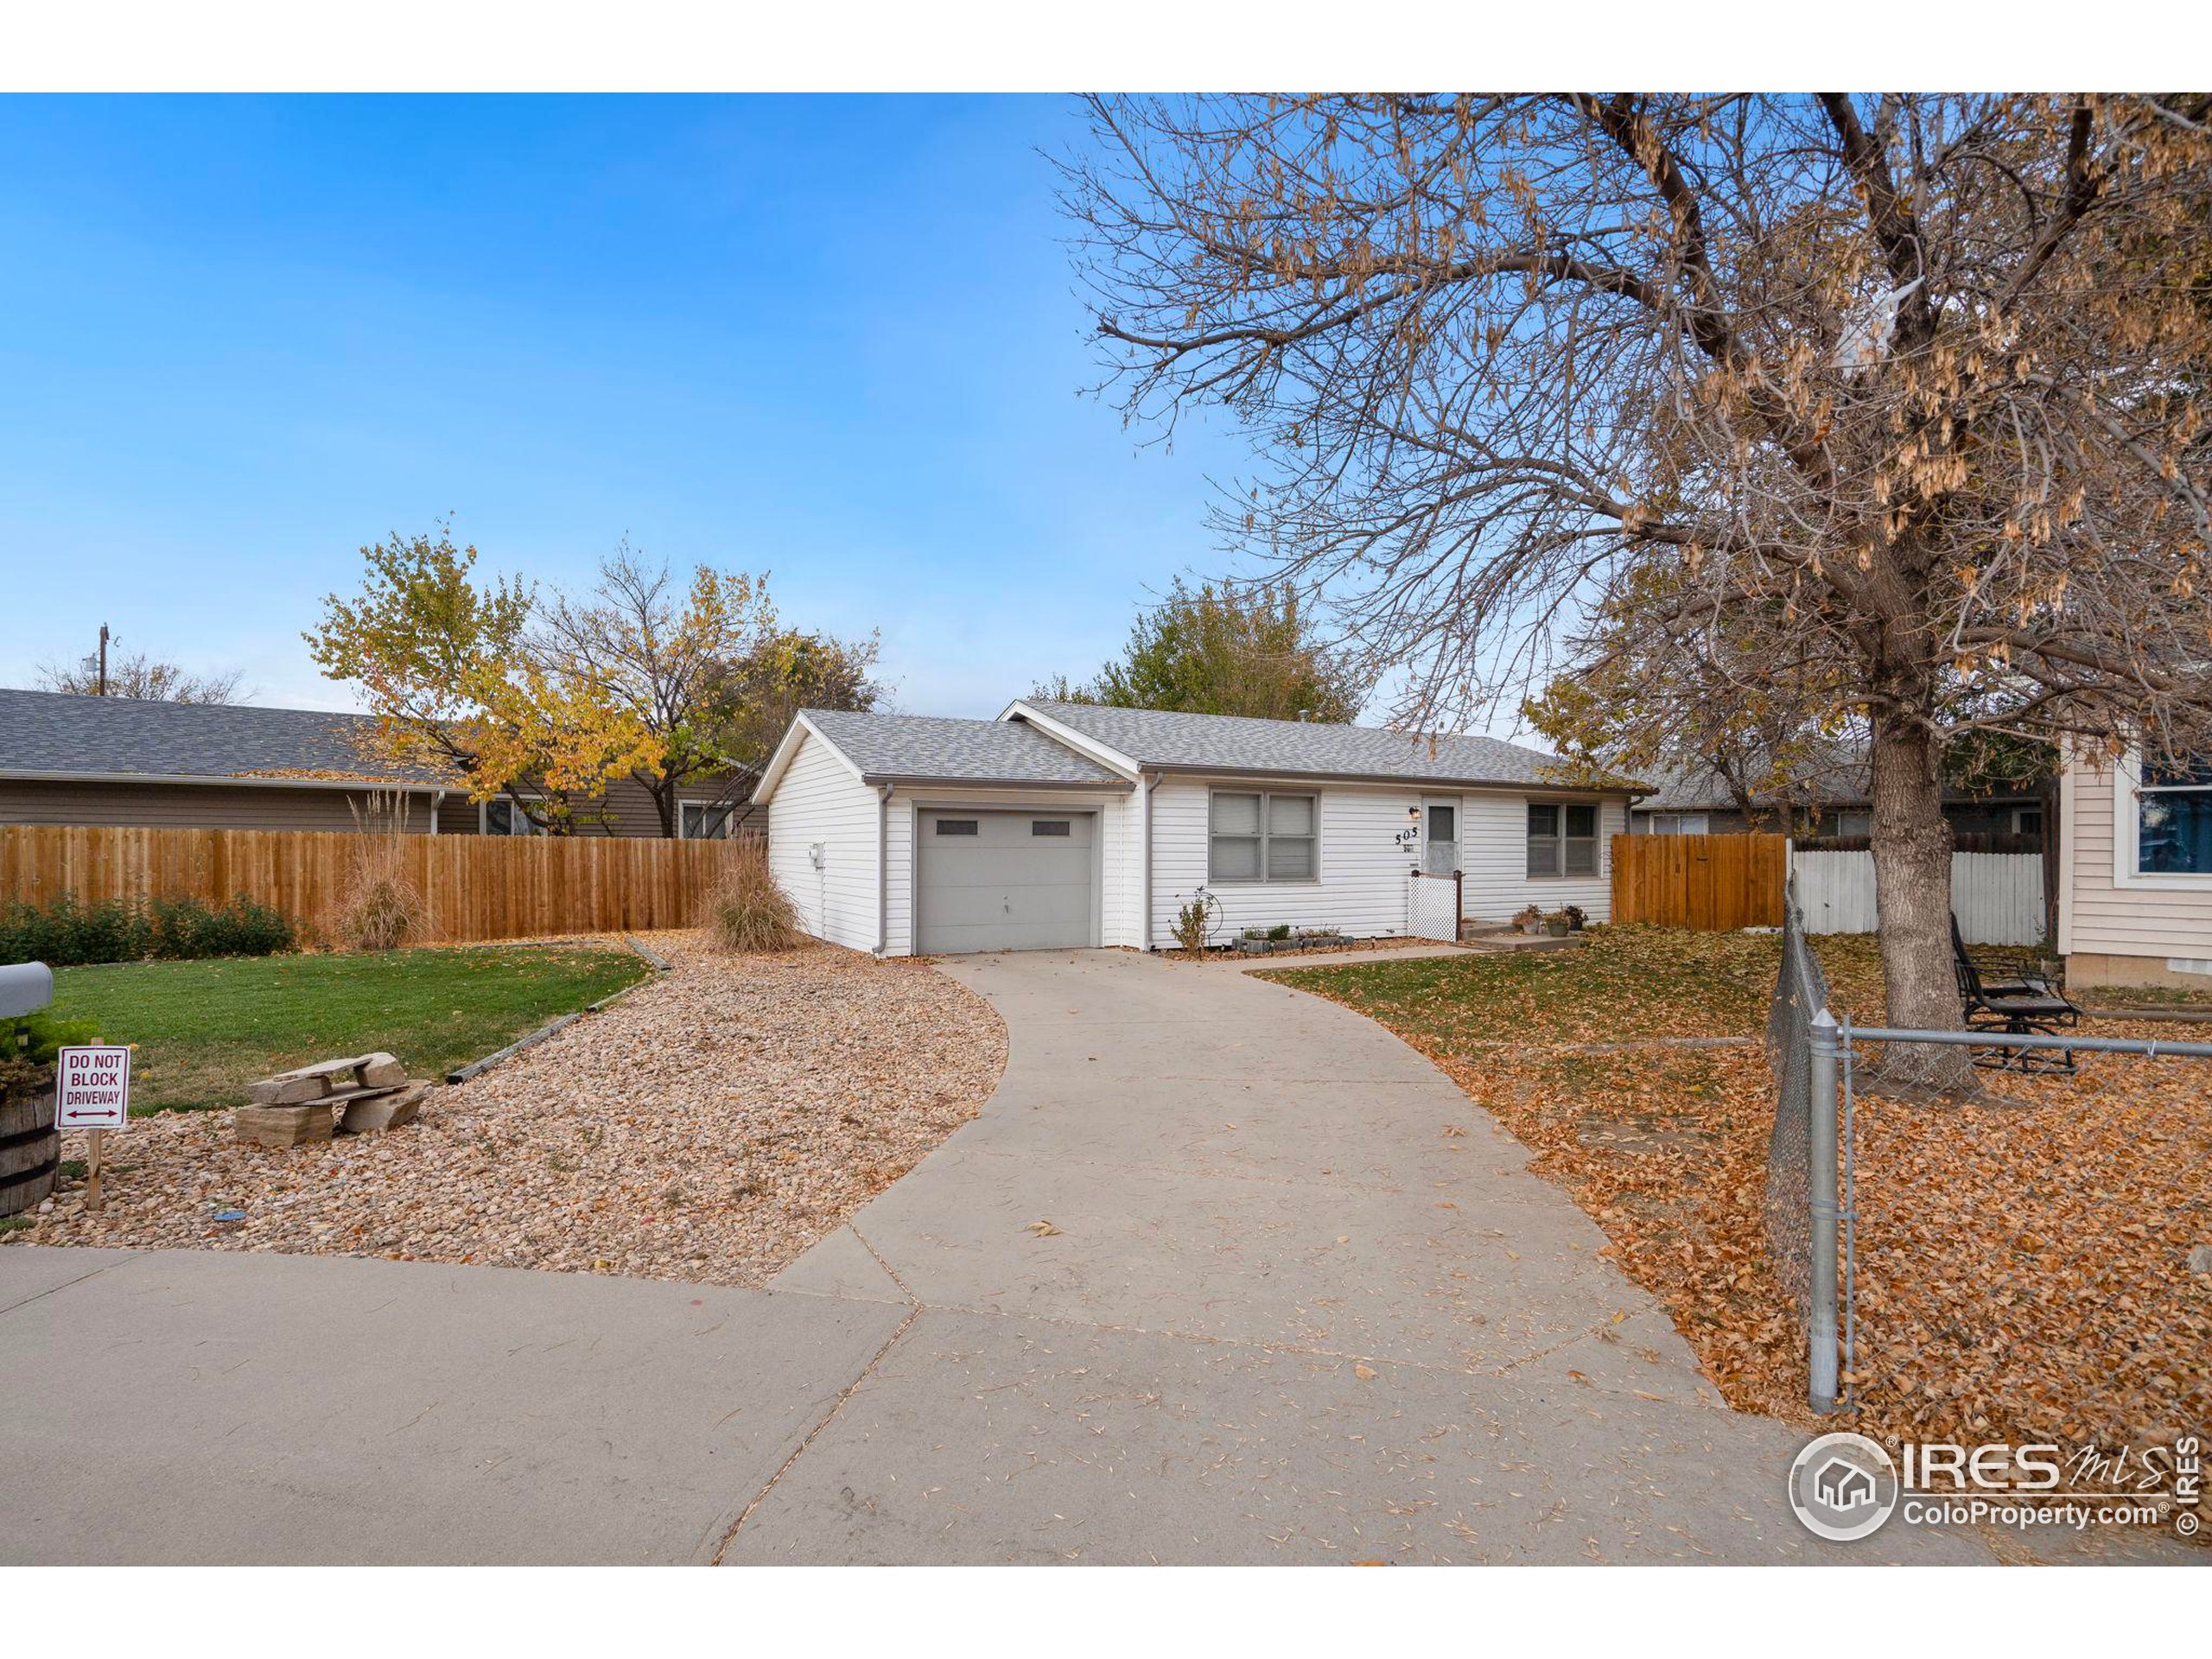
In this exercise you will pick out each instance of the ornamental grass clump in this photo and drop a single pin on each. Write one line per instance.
(747, 909)
(379, 906)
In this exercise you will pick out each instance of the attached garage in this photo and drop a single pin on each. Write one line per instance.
(1006, 880)
(900, 834)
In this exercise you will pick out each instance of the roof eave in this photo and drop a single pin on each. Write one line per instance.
(1516, 785)
(411, 786)
(939, 780)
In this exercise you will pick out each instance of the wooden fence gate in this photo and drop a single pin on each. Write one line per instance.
(1718, 883)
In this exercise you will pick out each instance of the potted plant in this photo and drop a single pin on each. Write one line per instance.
(1529, 918)
(27, 1047)
(1555, 923)
(1575, 917)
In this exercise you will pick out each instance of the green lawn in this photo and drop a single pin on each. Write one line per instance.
(1627, 982)
(203, 1030)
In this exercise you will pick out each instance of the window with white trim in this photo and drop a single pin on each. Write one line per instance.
(503, 816)
(1678, 823)
(1262, 835)
(703, 820)
(1562, 838)
(2173, 820)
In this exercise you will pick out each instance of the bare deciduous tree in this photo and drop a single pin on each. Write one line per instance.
(1911, 389)
(139, 676)
(655, 652)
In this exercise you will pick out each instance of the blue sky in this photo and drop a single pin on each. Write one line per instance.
(833, 338)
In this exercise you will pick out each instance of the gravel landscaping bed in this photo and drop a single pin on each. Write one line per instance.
(708, 1127)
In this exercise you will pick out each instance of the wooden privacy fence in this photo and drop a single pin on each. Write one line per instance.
(1714, 882)
(475, 887)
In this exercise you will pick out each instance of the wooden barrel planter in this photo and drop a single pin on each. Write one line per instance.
(30, 1151)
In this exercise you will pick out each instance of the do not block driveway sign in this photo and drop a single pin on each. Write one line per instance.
(92, 1089)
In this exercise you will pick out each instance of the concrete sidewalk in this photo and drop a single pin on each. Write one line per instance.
(1211, 1280)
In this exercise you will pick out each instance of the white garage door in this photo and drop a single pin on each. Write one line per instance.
(1004, 880)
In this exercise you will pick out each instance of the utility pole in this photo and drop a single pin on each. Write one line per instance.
(104, 639)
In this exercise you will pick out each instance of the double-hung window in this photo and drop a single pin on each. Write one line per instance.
(1262, 835)
(1562, 838)
(2173, 820)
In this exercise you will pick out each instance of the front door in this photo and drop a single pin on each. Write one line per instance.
(1439, 837)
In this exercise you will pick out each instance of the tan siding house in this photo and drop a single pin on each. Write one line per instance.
(2120, 923)
(67, 759)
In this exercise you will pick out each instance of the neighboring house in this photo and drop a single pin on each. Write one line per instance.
(1064, 824)
(2135, 891)
(114, 760)
(1699, 803)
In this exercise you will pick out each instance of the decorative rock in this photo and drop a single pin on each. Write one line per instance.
(390, 1111)
(282, 1126)
(286, 1091)
(381, 1071)
(2200, 1259)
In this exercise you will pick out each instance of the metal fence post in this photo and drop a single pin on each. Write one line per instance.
(1820, 1169)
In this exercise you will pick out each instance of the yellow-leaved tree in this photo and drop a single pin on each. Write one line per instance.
(450, 671)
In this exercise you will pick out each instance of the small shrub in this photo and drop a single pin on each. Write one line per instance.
(1279, 931)
(184, 930)
(1194, 925)
(67, 934)
(379, 907)
(747, 909)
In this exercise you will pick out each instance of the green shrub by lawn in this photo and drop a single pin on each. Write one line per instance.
(66, 933)
(203, 1030)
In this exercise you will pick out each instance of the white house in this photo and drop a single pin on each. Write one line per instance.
(2135, 874)
(1061, 825)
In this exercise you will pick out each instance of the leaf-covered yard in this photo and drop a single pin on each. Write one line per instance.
(2022, 1262)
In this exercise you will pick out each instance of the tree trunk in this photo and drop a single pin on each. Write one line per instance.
(1912, 885)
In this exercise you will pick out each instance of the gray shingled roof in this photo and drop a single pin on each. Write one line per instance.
(890, 747)
(1156, 739)
(1841, 779)
(53, 732)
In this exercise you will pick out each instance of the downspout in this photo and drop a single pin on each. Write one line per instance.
(1146, 784)
(883, 870)
(436, 801)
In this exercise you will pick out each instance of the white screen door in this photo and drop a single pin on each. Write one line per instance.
(1441, 839)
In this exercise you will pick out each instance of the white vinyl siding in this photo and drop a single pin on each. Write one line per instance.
(1364, 864)
(2159, 917)
(819, 800)
(1494, 855)
(1361, 887)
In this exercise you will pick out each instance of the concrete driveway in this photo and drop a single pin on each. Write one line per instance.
(1221, 1274)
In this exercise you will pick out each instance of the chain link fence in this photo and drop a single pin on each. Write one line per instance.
(2032, 1263)
(2018, 1267)
(1801, 991)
